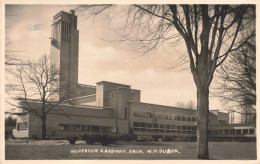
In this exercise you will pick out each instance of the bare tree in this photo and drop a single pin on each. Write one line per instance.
(237, 81)
(10, 54)
(210, 33)
(38, 89)
(191, 105)
(180, 104)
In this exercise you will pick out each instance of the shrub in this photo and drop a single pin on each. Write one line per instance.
(104, 139)
(157, 137)
(34, 137)
(128, 137)
(90, 139)
(72, 139)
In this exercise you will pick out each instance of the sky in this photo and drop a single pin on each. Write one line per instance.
(28, 27)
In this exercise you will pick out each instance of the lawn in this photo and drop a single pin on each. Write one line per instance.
(61, 149)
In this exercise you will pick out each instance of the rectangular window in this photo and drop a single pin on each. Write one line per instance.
(95, 128)
(137, 129)
(166, 117)
(223, 121)
(150, 125)
(73, 127)
(156, 130)
(69, 32)
(155, 125)
(132, 95)
(143, 129)
(150, 114)
(251, 131)
(178, 118)
(220, 131)
(113, 129)
(159, 115)
(170, 117)
(136, 124)
(161, 126)
(85, 128)
(64, 127)
(136, 114)
(226, 131)
(184, 127)
(245, 131)
(125, 112)
(238, 131)
(22, 126)
(150, 130)
(162, 130)
(174, 117)
(188, 118)
(173, 126)
(193, 119)
(168, 131)
(183, 118)
(142, 124)
(193, 128)
(232, 131)
(104, 129)
(214, 132)
(163, 116)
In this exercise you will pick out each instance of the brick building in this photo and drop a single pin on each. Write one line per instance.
(106, 107)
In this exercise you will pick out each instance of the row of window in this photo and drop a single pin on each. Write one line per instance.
(154, 127)
(165, 116)
(86, 128)
(164, 131)
(166, 128)
(231, 131)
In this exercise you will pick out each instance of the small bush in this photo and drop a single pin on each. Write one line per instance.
(157, 137)
(104, 139)
(128, 137)
(72, 139)
(90, 139)
(34, 137)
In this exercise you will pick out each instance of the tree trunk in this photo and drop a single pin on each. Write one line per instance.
(202, 122)
(44, 128)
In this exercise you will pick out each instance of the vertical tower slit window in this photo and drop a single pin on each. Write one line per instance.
(69, 32)
(65, 32)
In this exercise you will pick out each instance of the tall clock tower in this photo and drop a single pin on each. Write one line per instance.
(64, 51)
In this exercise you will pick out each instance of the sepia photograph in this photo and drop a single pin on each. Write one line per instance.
(129, 82)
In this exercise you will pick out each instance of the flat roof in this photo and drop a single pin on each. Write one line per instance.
(163, 106)
(235, 125)
(65, 104)
(86, 85)
(62, 12)
(81, 97)
(102, 82)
